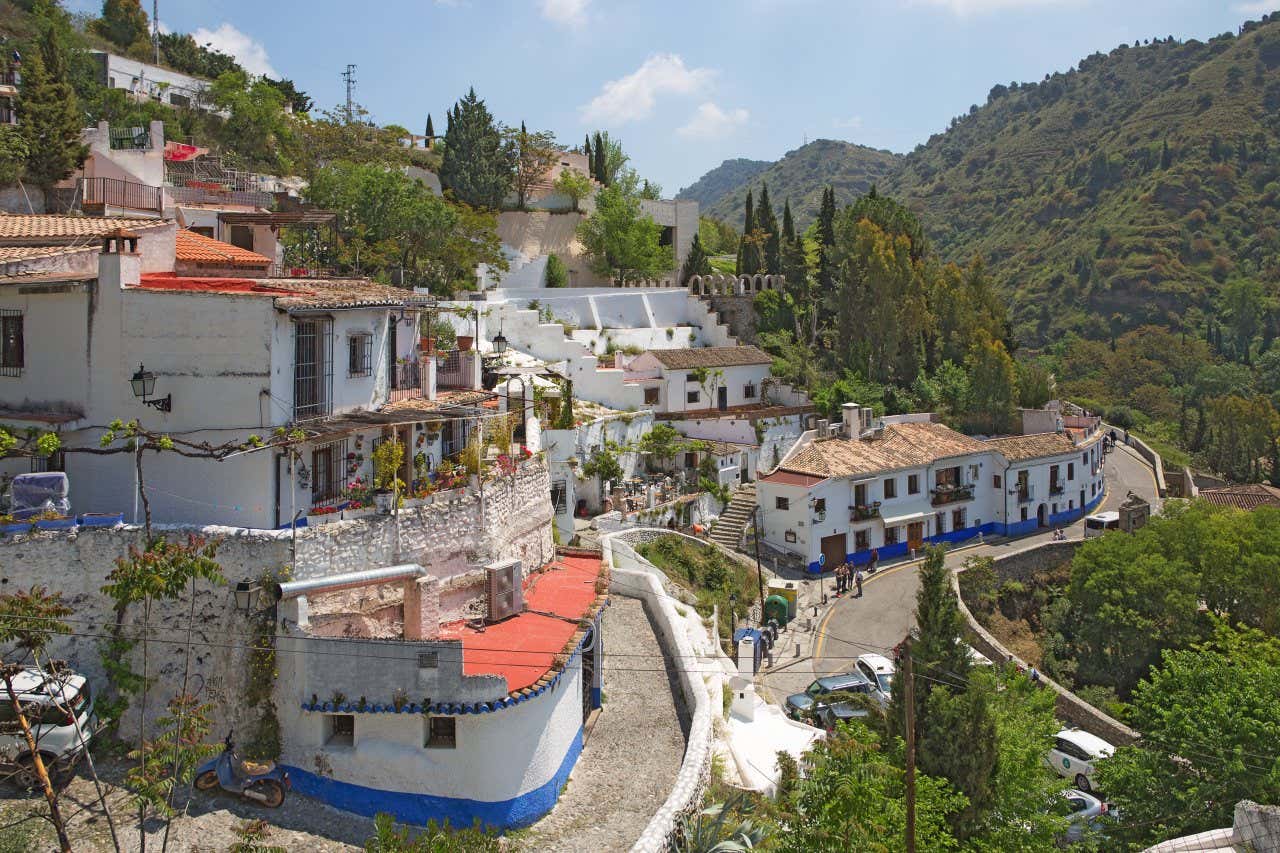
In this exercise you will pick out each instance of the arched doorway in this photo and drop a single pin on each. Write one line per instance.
(1042, 516)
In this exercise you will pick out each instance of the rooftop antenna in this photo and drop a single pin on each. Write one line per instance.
(350, 77)
(155, 28)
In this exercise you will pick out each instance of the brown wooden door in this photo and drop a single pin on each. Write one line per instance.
(915, 535)
(833, 548)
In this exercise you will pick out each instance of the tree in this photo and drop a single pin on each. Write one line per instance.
(1243, 303)
(993, 384)
(1242, 433)
(479, 163)
(661, 443)
(13, 155)
(1035, 385)
(182, 52)
(535, 154)
(749, 249)
(575, 185)
(598, 170)
(767, 223)
(256, 130)
(430, 132)
(1208, 718)
(123, 22)
(50, 124)
(696, 262)
(299, 102)
(609, 160)
(622, 242)
(557, 273)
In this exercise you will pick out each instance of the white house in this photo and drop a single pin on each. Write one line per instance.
(145, 81)
(700, 378)
(87, 305)
(893, 484)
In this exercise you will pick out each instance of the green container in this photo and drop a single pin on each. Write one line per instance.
(777, 607)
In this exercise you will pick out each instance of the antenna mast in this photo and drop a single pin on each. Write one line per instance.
(155, 28)
(349, 76)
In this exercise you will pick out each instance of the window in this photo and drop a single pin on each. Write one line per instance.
(820, 506)
(339, 729)
(560, 496)
(691, 379)
(1071, 470)
(1084, 458)
(12, 348)
(890, 488)
(995, 481)
(749, 391)
(939, 523)
(312, 368)
(860, 494)
(360, 355)
(692, 396)
(891, 536)
(442, 733)
(691, 460)
(947, 476)
(242, 237)
(651, 396)
(782, 503)
(1024, 513)
(957, 519)
(428, 660)
(327, 462)
(55, 461)
(861, 541)
(913, 484)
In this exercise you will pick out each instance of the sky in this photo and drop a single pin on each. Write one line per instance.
(685, 84)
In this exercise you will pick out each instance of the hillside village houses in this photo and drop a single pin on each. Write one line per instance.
(893, 484)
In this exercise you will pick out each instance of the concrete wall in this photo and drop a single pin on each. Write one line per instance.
(152, 81)
(21, 199)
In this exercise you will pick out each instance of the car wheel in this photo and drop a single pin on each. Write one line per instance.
(28, 779)
(272, 793)
(1082, 782)
(208, 780)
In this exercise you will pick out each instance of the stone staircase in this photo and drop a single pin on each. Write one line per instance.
(728, 529)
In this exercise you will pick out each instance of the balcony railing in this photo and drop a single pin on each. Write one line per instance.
(864, 512)
(1057, 488)
(1027, 495)
(113, 192)
(219, 195)
(295, 271)
(9, 77)
(406, 381)
(454, 370)
(952, 494)
(130, 139)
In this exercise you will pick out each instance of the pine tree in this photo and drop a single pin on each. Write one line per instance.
(696, 262)
(826, 242)
(123, 22)
(479, 164)
(50, 124)
(767, 223)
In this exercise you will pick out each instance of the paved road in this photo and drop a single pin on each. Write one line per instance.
(881, 618)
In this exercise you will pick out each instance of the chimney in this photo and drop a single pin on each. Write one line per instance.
(822, 429)
(851, 412)
(421, 610)
(119, 264)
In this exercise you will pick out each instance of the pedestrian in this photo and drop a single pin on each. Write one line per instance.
(1035, 676)
(842, 578)
(875, 558)
(857, 579)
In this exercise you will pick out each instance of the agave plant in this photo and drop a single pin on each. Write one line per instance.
(709, 833)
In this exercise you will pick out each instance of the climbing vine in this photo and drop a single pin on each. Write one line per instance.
(264, 740)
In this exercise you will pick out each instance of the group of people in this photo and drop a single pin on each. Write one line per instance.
(849, 576)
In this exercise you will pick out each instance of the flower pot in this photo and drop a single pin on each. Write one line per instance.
(55, 524)
(384, 501)
(427, 346)
(465, 342)
(101, 519)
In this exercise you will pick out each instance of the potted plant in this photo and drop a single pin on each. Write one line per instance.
(9, 526)
(54, 520)
(465, 342)
(388, 456)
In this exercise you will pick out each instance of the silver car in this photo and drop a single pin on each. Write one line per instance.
(61, 720)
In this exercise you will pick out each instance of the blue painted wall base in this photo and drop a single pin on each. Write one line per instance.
(418, 809)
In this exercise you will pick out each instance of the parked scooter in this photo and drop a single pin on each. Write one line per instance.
(262, 782)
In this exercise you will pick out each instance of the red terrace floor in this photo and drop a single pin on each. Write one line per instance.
(567, 589)
(170, 281)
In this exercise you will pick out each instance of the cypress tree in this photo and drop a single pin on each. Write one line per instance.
(788, 223)
(50, 114)
(599, 167)
(768, 225)
(1166, 159)
(431, 129)
(479, 164)
(696, 262)
(586, 149)
(749, 252)
(826, 240)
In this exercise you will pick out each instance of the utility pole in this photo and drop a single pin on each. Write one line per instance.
(755, 517)
(909, 703)
(155, 28)
(349, 77)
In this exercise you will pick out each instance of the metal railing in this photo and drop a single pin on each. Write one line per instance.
(943, 495)
(295, 271)
(9, 77)
(454, 370)
(129, 139)
(1026, 496)
(1057, 489)
(406, 381)
(214, 195)
(864, 512)
(114, 192)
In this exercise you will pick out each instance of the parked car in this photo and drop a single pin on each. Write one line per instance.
(1085, 812)
(828, 716)
(879, 671)
(1075, 755)
(851, 682)
(62, 728)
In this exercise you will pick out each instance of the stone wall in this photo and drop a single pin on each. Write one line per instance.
(738, 313)
(509, 517)
(1070, 708)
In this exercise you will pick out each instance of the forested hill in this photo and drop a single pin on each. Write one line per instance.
(801, 175)
(1131, 190)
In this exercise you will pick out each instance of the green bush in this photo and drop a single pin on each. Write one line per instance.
(557, 273)
(706, 572)
(1121, 416)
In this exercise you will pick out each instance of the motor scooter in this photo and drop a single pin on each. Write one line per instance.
(263, 782)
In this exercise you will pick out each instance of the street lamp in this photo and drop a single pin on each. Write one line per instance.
(144, 384)
(500, 342)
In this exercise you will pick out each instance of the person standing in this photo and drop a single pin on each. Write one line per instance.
(875, 558)
(857, 579)
(840, 578)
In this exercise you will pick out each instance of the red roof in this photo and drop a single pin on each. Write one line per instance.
(186, 284)
(556, 598)
(791, 478)
(194, 248)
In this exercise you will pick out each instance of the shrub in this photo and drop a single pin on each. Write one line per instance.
(557, 273)
(1121, 416)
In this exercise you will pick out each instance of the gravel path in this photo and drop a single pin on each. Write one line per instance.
(632, 757)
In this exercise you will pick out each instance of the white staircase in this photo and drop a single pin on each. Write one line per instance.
(729, 528)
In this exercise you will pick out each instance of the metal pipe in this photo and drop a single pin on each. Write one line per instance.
(348, 580)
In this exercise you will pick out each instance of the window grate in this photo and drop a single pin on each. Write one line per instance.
(327, 463)
(12, 345)
(360, 355)
(312, 368)
(560, 496)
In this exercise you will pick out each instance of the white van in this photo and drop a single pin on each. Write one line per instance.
(62, 722)
(1096, 525)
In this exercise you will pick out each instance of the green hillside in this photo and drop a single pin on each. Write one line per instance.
(800, 175)
(1087, 221)
(727, 178)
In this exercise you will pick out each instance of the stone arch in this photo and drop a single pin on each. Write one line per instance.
(695, 285)
(767, 284)
(757, 283)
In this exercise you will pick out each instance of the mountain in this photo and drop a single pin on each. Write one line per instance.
(800, 175)
(1129, 190)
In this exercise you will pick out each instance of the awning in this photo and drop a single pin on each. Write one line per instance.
(894, 521)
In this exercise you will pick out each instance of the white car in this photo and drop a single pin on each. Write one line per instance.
(879, 671)
(62, 728)
(1075, 755)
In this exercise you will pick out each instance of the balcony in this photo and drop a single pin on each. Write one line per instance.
(950, 494)
(864, 512)
(129, 139)
(1026, 495)
(9, 78)
(196, 192)
(406, 381)
(1056, 489)
(455, 370)
(97, 194)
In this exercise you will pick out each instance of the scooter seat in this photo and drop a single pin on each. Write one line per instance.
(256, 768)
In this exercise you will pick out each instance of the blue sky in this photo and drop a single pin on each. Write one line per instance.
(686, 84)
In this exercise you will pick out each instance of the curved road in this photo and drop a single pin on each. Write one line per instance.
(882, 617)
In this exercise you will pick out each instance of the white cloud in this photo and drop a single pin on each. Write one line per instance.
(1257, 7)
(710, 121)
(567, 13)
(965, 8)
(633, 97)
(850, 123)
(248, 51)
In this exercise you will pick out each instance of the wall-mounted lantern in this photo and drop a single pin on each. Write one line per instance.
(247, 594)
(144, 384)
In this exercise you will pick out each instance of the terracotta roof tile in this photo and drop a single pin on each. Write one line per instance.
(1018, 447)
(1246, 496)
(196, 248)
(695, 357)
(11, 254)
(45, 229)
(907, 445)
(298, 293)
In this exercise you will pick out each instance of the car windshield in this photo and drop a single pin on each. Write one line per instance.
(885, 681)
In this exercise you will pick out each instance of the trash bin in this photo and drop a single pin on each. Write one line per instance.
(777, 607)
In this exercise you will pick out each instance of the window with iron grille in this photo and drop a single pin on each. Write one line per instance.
(560, 496)
(326, 471)
(651, 396)
(12, 348)
(55, 461)
(749, 391)
(359, 355)
(442, 733)
(312, 368)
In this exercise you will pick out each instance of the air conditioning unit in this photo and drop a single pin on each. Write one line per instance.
(504, 588)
